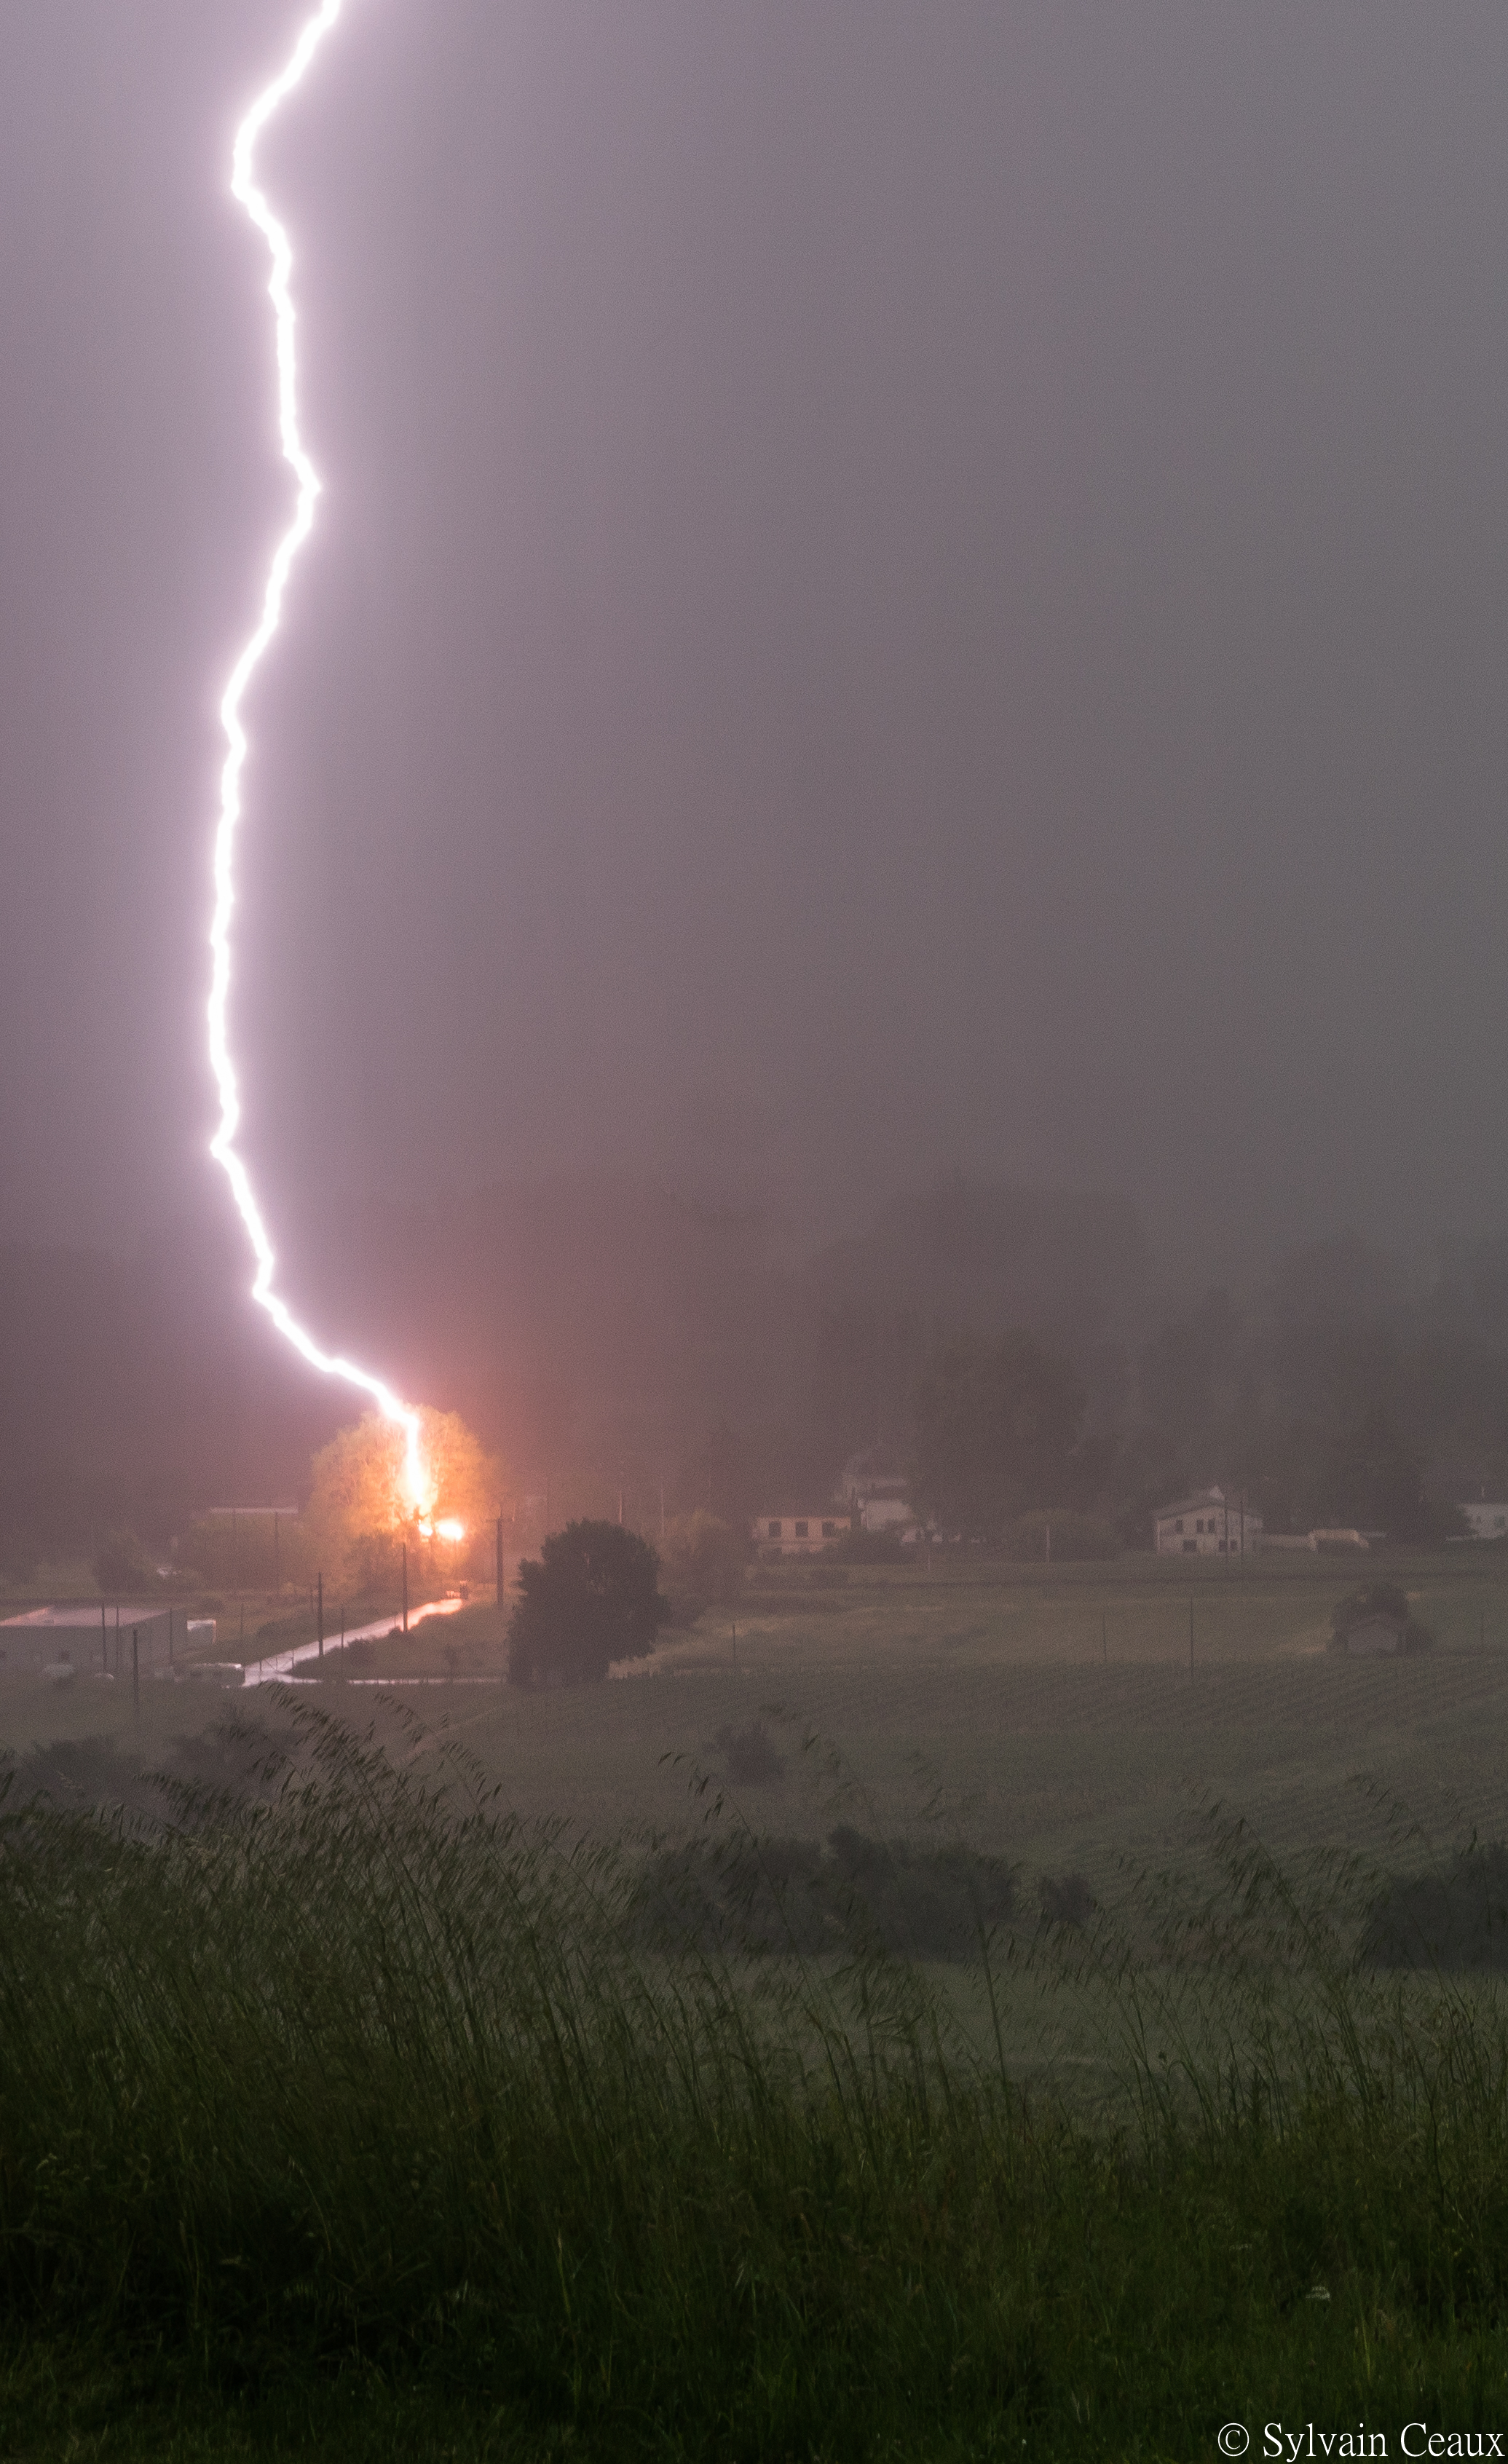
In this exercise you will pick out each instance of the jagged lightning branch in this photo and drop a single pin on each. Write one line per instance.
(247, 193)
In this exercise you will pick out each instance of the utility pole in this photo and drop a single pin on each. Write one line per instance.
(406, 1587)
(136, 1682)
(499, 1564)
(619, 1505)
(277, 1561)
(319, 1578)
(104, 1642)
(235, 1554)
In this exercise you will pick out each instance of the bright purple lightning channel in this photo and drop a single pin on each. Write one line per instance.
(222, 1147)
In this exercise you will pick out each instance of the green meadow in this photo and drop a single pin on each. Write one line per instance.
(718, 2062)
(1055, 1716)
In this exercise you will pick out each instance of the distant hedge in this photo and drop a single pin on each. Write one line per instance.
(847, 1895)
(1455, 1920)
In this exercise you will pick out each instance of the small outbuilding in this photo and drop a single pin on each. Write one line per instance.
(1377, 1624)
(45, 1641)
(1371, 1638)
(1485, 1520)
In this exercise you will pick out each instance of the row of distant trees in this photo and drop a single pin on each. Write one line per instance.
(1342, 1395)
(1353, 1388)
(1000, 1452)
(999, 1430)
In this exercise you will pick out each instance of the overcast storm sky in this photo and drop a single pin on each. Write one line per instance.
(900, 587)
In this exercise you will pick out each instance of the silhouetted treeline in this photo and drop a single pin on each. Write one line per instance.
(1354, 1388)
(612, 1340)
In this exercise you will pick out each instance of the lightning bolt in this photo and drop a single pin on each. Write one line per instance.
(222, 1147)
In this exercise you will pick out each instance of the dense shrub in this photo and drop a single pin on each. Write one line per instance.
(591, 1596)
(1067, 1900)
(1384, 1600)
(849, 1894)
(750, 1756)
(1455, 1920)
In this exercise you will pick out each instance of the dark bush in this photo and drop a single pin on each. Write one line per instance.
(1455, 1920)
(749, 1755)
(591, 1596)
(238, 1760)
(1067, 1902)
(1374, 1599)
(1386, 1602)
(853, 1894)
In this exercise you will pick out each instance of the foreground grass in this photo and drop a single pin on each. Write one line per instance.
(347, 2121)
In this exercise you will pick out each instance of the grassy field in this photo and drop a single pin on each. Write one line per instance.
(356, 2117)
(367, 2123)
(1052, 1718)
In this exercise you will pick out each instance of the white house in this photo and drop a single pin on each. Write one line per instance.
(1207, 1524)
(878, 1492)
(1485, 1522)
(797, 1536)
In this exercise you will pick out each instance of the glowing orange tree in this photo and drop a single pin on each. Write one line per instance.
(359, 1515)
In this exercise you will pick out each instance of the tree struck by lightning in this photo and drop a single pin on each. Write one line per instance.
(222, 1147)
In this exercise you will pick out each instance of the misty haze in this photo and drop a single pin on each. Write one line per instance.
(810, 1764)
